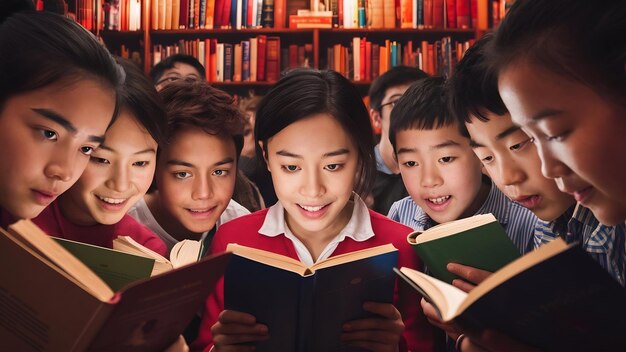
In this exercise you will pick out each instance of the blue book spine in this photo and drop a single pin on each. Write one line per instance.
(244, 13)
(233, 13)
(202, 13)
(245, 60)
(394, 54)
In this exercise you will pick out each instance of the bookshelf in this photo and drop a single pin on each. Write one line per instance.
(321, 41)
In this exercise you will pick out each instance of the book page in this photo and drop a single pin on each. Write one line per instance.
(185, 252)
(453, 227)
(268, 258)
(446, 298)
(353, 256)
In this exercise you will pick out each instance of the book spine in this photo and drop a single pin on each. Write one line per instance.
(228, 62)
(253, 58)
(273, 59)
(245, 58)
(261, 57)
(279, 14)
(267, 20)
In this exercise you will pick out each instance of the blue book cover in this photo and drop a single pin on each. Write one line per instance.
(305, 308)
(233, 14)
(244, 13)
(394, 54)
(245, 60)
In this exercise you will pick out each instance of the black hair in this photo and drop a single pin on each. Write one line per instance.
(194, 103)
(168, 63)
(396, 76)
(423, 106)
(140, 97)
(577, 39)
(306, 92)
(473, 88)
(43, 48)
(10, 7)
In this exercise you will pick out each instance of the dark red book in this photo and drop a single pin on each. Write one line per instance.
(183, 19)
(273, 59)
(451, 13)
(463, 14)
(368, 61)
(261, 57)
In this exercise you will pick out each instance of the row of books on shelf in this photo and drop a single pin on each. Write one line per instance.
(236, 14)
(122, 15)
(261, 59)
(254, 60)
(365, 61)
(201, 14)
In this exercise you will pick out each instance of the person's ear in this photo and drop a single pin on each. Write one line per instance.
(377, 119)
(267, 163)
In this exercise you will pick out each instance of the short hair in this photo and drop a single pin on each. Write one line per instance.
(140, 97)
(194, 103)
(473, 88)
(579, 40)
(40, 49)
(423, 107)
(304, 93)
(159, 69)
(396, 76)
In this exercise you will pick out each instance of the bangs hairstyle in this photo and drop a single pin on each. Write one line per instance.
(39, 49)
(423, 107)
(579, 40)
(194, 103)
(473, 88)
(142, 100)
(303, 93)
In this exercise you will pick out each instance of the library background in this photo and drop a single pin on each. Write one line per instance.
(246, 44)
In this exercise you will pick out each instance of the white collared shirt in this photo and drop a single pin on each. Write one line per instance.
(358, 228)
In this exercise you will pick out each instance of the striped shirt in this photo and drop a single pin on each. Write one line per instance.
(518, 222)
(605, 244)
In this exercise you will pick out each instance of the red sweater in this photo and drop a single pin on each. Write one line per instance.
(52, 222)
(244, 231)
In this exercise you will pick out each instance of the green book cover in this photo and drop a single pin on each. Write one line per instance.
(116, 268)
(478, 241)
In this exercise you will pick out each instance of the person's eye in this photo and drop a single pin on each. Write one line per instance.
(520, 146)
(290, 168)
(87, 150)
(141, 163)
(333, 167)
(558, 138)
(48, 134)
(220, 173)
(446, 159)
(97, 160)
(182, 175)
(410, 164)
(487, 159)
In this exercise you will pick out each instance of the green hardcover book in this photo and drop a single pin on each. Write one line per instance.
(478, 241)
(117, 269)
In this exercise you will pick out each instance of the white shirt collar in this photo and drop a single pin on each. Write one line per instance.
(358, 228)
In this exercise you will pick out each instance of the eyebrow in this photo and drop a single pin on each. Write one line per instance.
(406, 150)
(68, 126)
(507, 132)
(179, 163)
(147, 150)
(474, 144)
(448, 143)
(337, 152)
(227, 160)
(543, 114)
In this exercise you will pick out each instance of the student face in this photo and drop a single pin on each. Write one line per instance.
(578, 133)
(118, 175)
(511, 159)
(382, 117)
(196, 178)
(179, 71)
(313, 174)
(440, 172)
(46, 137)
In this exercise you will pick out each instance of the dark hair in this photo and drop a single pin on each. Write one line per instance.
(306, 92)
(10, 7)
(141, 98)
(423, 106)
(473, 88)
(168, 63)
(193, 103)
(43, 48)
(396, 76)
(577, 39)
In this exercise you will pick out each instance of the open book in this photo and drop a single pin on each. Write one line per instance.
(52, 301)
(554, 298)
(183, 253)
(305, 308)
(478, 241)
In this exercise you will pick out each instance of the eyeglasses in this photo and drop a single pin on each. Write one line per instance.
(392, 103)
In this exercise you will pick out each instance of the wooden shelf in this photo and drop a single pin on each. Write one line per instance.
(229, 31)
(245, 84)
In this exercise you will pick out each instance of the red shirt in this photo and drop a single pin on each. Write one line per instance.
(244, 231)
(52, 222)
